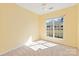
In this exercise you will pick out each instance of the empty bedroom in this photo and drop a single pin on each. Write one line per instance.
(39, 29)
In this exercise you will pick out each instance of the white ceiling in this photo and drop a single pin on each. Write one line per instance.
(42, 8)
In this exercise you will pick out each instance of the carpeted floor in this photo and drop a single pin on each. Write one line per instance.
(43, 48)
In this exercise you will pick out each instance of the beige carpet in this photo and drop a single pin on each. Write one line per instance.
(58, 50)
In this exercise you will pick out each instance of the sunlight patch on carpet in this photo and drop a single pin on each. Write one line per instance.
(40, 45)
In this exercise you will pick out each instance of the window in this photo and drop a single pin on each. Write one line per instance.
(54, 27)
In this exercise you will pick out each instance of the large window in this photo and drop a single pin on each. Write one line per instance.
(54, 27)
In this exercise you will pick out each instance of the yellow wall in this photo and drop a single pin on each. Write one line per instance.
(78, 28)
(70, 25)
(16, 26)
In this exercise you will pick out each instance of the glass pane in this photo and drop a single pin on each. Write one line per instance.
(58, 25)
(49, 28)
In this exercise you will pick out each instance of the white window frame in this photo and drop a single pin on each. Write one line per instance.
(53, 29)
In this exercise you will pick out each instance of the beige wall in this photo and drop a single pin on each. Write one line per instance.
(78, 28)
(70, 25)
(16, 26)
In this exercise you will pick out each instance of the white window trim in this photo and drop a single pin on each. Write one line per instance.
(53, 31)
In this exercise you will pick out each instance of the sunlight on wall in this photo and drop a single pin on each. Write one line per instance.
(29, 41)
